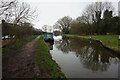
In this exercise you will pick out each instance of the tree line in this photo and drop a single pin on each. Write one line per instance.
(16, 19)
(97, 18)
(18, 31)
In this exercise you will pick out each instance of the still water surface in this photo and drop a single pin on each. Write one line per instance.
(82, 58)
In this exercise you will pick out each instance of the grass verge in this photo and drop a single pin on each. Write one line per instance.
(45, 62)
(110, 41)
(16, 44)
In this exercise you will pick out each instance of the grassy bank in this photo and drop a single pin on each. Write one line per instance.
(16, 44)
(110, 41)
(45, 62)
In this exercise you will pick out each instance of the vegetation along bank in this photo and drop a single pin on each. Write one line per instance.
(110, 41)
(45, 62)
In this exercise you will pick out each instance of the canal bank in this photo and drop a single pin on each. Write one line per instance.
(29, 58)
(45, 63)
(79, 57)
(18, 58)
(108, 41)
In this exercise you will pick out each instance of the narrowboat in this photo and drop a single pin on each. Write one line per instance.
(48, 37)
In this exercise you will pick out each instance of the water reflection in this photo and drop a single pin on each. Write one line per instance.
(63, 45)
(91, 53)
(50, 44)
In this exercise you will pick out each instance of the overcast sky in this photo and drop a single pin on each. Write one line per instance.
(51, 10)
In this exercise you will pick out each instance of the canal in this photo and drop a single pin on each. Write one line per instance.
(84, 58)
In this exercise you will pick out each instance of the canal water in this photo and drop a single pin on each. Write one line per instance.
(83, 58)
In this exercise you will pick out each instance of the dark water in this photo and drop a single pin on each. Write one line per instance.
(82, 58)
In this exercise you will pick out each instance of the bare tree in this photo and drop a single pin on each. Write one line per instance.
(44, 28)
(64, 24)
(16, 12)
(23, 12)
(6, 5)
(93, 12)
(5, 9)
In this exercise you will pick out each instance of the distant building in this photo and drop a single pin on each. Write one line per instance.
(119, 8)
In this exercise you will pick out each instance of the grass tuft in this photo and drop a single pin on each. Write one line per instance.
(110, 41)
(44, 61)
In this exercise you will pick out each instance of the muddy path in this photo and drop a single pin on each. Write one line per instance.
(22, 64)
